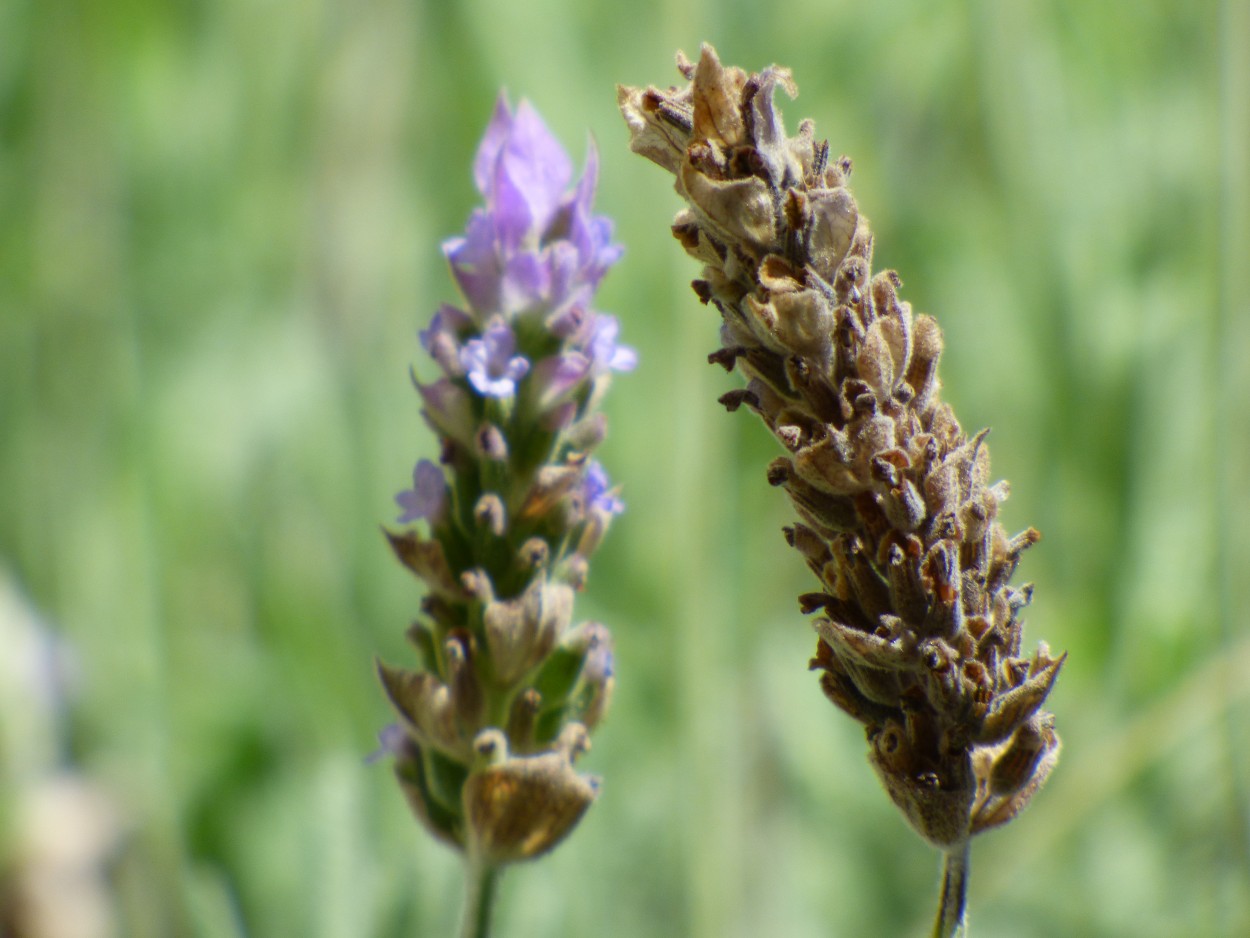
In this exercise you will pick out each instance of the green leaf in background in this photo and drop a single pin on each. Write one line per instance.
(218, 235)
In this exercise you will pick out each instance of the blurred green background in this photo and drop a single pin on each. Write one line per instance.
(219, 233)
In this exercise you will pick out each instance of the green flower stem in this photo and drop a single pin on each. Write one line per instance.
(952, 917)
(480, 886)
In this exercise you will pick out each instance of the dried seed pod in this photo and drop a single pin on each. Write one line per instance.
(919, 637)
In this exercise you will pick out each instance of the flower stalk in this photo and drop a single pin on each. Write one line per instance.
(500, 530)
(952, 915)
(481, 887)
(918, 630)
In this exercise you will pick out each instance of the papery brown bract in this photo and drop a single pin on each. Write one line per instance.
(920, 638)
(520, 807)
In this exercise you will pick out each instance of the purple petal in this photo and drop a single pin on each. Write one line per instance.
(392, 741)
(441, 339)
(491, 367)
(528, 178)
(603, 348)
(534, 160)
(526, 281)
(598, 492)
(447, 319)
(503, 385)
(475, 263)
(513, 215)
(590, 234)
(428, 496)
(534, 245)
(605, 252)
(567, 279)
(493, 141)
(584, 193)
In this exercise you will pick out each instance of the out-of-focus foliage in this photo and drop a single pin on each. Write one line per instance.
(219, 231)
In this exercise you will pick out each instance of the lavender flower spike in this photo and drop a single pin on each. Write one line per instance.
(508, 687)
(918, 629)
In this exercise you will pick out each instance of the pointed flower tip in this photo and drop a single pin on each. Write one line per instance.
(535, 140)
(536, 241)
(529, 176)
(584, 193)
(492, 142)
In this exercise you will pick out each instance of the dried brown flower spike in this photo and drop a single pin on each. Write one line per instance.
(919, 634)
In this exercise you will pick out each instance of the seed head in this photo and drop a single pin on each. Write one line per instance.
(918, 634)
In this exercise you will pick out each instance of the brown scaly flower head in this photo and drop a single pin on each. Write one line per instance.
(919, 630)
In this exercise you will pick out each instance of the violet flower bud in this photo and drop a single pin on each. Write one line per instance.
(442, 338)
(448, 410)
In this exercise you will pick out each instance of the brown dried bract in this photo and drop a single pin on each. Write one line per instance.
(920, 637)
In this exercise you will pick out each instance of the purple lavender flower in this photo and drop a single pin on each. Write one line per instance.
(522, 171)
(448, 320)
(492, 368)
(557, 376)
(427, 497)
(533, 245)
(598, 492)
(569, 322)
(441, 339)
(475, 264)
(603, 349)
